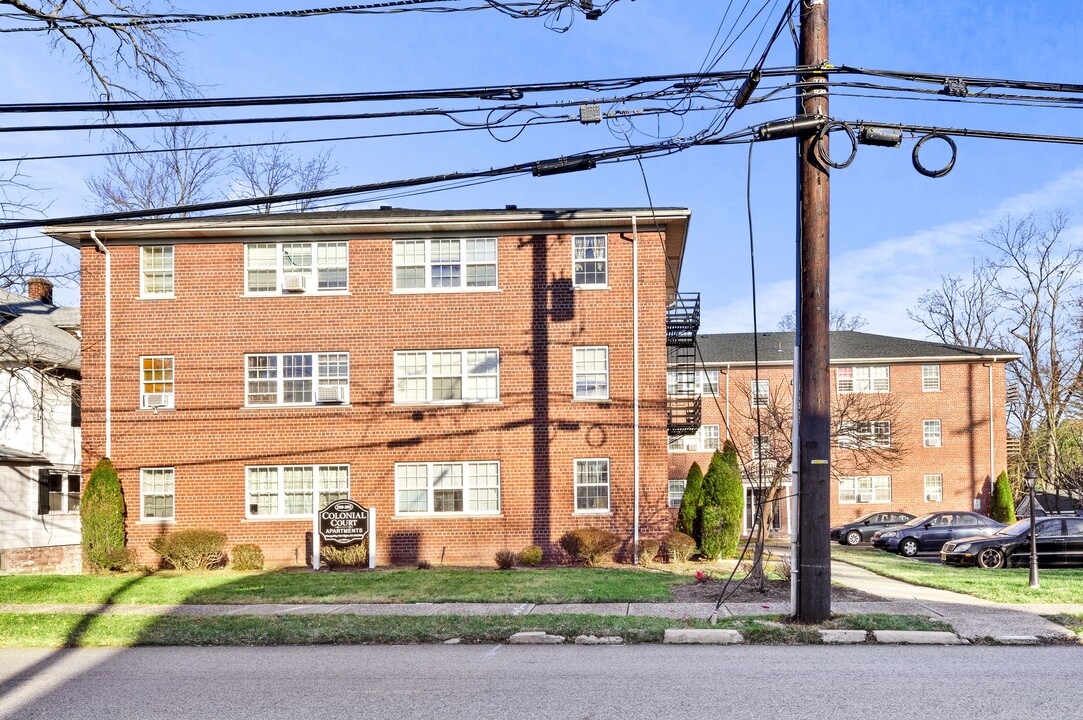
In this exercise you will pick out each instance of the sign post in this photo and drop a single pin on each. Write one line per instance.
(344, 523)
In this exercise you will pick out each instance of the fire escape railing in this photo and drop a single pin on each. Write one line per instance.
(683, 404)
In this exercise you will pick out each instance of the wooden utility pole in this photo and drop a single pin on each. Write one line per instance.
(814, 421)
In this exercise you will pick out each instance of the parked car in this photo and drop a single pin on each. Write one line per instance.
(1058, 543)
(863, 528)
(928, 533)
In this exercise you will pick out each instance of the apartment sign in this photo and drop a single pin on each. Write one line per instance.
(343, 523)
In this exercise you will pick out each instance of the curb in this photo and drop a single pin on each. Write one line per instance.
(917, 637)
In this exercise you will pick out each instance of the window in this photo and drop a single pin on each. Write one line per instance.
(868, 489)
(592, 485)
(687, 382)
(156, 492)
(934, 488)
(456, 264)
(299, 267)
(447, 376)
(76, 388)
(865, 434)
(705, 439)
(156, 271)
(591, 373)
(930, 378)
(761, 393)
(156, 386)
(58, 492)
(676, 492)
(288, 490)
(297, 379)
(707, 382)
(931, 432)
(590, 260)
(761, 447)
(441, 488)
(863, 379)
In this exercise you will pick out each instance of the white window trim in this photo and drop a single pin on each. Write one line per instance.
(699, 437)
(464, 288)
(143, 293)
(923, 378)
(591, 286)
(429, 378)
(316, 489)
(65, 491)
(939, 433)
(170, 397)
(925, 487)
(863, 438)
(671, 500)
(760, 393)
(465, 512)
(143, 494)
(608, 375)
(608, 486)
(854, 482)
(313, 275)
(280, 381)
(872, 381)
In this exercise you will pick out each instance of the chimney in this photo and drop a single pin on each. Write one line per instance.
(40, 289)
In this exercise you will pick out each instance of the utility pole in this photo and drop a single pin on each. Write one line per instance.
(814, 421)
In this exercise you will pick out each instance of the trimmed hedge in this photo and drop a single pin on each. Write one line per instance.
(247, 556)
(589, 545)
(679, 546)
(194, 549)
(530, 556)
(101, 513)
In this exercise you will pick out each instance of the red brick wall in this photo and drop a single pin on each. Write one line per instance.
(962, 406)
(536, 431)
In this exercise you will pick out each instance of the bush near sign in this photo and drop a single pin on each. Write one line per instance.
(344, 523)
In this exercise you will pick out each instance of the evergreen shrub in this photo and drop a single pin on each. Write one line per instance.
(101, 512)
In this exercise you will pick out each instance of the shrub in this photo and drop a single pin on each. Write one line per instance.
(679, 546)
(352, 556)
(424, 565)
(589, 545)
(119, 559)
(711, 541)
(102, 515)
(647, 550)
(1002, 509)
(725, 496)
(191, 549)
(531, 556)
(782, 568)
(505, 559)
(691, 502)
(247, 556)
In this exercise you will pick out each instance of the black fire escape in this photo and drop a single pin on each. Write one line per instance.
(683, 402)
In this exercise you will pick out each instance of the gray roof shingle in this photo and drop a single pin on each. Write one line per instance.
(36, 332)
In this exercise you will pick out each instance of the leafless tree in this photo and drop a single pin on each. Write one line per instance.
(104, 46)
(1025, 299)
(178, 172)
(839, 320)
(866, 437)
(271, 169)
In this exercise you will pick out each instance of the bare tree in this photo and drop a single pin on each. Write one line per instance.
(271, 169)
(103, 44)
(865, 433)
(1026, 299)
(839, 320)
(178, 172)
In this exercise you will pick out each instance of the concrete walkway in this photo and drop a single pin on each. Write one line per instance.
(972, 618)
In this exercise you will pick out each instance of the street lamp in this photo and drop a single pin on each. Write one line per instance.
(1031, 478)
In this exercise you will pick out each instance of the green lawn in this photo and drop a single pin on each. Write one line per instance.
(550, 585)
(1072, 622)
(1009, 585)
(72, 630)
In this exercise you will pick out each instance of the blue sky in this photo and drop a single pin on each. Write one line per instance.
(893, 231)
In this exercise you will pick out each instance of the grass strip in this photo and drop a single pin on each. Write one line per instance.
(72, 630)
(1008, 585)
(1072, 622)
(548, 585)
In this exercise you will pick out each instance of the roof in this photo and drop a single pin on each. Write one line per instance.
(847, 346)
(11, 455)
(389, 221)
(37, 332)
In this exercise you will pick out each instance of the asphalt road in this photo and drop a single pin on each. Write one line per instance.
(487, 681)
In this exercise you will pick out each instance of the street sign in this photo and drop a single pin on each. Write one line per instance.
(344, 523)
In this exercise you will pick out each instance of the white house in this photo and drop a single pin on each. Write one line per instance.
(40, 462)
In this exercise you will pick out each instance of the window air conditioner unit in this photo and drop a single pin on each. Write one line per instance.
(330, 394)
(861, 498)
(294, 283)
(156, 400)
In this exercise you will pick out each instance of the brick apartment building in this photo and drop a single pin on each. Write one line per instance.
(911, 426)
(470, 374)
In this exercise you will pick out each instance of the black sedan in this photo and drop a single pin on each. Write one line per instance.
(862, 529)
(1058, 542)
(929, 532)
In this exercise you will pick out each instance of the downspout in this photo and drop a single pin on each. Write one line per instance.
(992, 458)
(635, 389)
(108, 343)
(727, 401)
